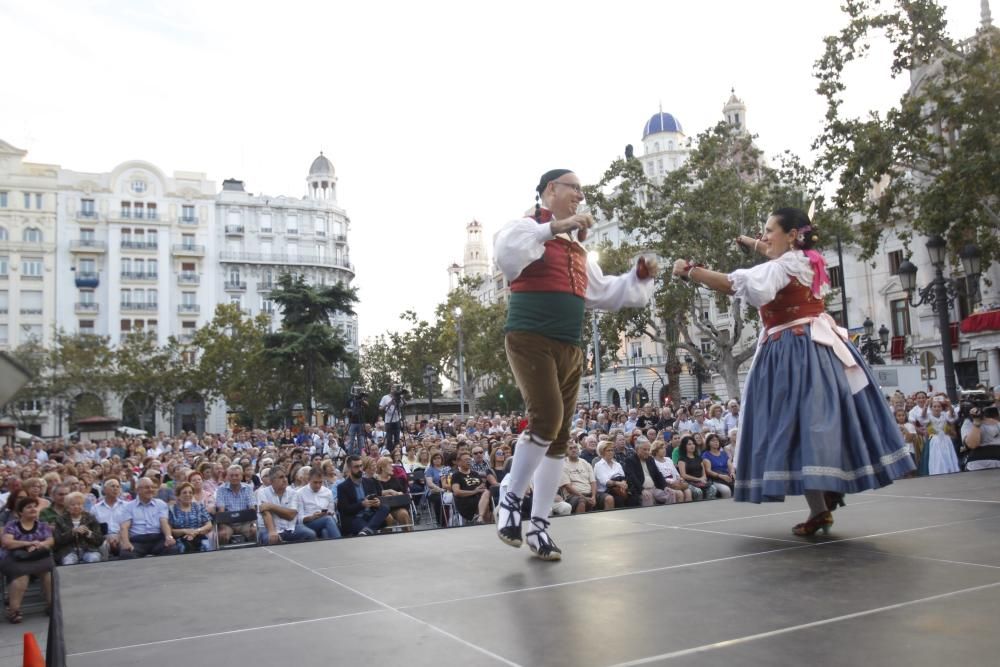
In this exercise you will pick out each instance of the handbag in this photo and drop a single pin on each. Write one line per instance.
(23, 554)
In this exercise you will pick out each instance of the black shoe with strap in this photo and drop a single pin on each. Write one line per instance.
(509, 520)
(544, 547)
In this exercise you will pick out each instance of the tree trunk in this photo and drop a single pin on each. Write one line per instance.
(731, 375)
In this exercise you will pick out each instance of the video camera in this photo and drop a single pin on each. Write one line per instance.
(358, 392)
(398, 392)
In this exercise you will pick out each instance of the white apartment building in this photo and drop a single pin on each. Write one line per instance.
(259, 237)
(28, 262)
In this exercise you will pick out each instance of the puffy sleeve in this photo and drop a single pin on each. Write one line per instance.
(616, 292)
(518, 244)
(758, 285)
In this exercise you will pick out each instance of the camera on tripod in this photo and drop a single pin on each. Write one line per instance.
(358, 392)
(399, 392)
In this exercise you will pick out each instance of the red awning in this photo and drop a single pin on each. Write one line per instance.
(988, 321)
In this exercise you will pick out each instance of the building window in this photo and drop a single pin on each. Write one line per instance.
(266, 306)
(126, 209)
(4, 302)
(4, 260)
(87, 207)
(86, 326)
(138, 186)
(86, 296)
(3, 234)
(126, 326)
(895, 259)
(32, 235)
(838, 316)
(4, 335)
(38, 200)
(187, 213)
(900, 313)
(3, 200)
(151, 211)
(137, 210)
(836, 274)
(32, 332)
(635, 349)
(31, 267)
(27, 200)
(87, 234)
(31, 302)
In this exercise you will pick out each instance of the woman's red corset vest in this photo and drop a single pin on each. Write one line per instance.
(563, 268)
(791, 303)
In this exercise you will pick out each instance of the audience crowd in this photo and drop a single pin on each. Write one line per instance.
(65, 502)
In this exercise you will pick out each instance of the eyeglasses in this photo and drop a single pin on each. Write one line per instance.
(576, 187)
(478, 451)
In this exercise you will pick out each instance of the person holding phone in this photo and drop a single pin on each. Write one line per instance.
(317, 506)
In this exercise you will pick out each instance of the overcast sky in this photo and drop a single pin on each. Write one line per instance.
(433, 113)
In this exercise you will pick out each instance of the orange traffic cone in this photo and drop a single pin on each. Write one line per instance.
(32, 654)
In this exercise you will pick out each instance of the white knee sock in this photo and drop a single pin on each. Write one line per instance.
(817, 502)
(545, 483)
(529, 452)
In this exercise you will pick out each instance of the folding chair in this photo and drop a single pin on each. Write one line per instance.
(229, 518)
(395, 502)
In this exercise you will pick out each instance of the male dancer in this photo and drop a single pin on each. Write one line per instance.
(551, 282)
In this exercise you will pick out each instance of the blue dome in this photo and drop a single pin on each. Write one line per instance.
(661, 122)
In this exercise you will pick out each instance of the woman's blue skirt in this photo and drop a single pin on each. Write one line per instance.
(803, 429)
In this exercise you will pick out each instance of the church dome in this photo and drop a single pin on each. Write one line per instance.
(321, 166)
(661, 122)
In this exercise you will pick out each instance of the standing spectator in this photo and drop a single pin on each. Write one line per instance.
(235, 497)
(941, 457)
(317, 507)
(145, 530)
(27, 552)
(391, 406)
(77, 534)
(190, 522)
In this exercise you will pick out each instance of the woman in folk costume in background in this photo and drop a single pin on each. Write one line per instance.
(814, 421)
(940, 450)
(552, 281)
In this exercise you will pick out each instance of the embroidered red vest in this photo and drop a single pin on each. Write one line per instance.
(563, 268)
(791, 303)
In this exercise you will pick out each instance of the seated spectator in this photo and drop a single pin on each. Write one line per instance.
(718, 466)
(470, 491)
(392, 485)
(190, 522)
(361, 511)
(579, 485)
(145, 529)
(318, 511)
(15, 492)
(202, 495)
(645, 483)
(162, 491)
(610, 475)
(57, 508)
(27, 552)
(110, 510)
(435, 486)
(235, 496)
(34, 487)
(680, 488)
(77, 533)
(589, 450)
(281, 513)
(692, 470)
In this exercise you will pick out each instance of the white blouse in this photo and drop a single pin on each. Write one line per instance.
(604, 472)
(521, 242)
(759, 284)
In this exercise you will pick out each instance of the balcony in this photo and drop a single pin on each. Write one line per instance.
(87, 215)
(86, 307)
(267, 230)
(136, 275)
(292, 232)
(234, 230)
(279, 258)
(188, 250)
(139, 245)
(140, 214)
(188, 278)
(340, 238)
(235, 286)
(31, 311)
(265, 286)
(321, 232)
(87, 245)
(188, 308)
(87, 279)
(185, 338)
(187, 220)
(140, 307)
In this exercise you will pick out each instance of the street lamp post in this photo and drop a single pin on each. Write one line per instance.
(593, 256)
(461, 363)
(635, 378)
(941, 294)
(429, 374)
(873, 348)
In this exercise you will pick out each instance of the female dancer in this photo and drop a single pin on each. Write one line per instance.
(814, 421)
